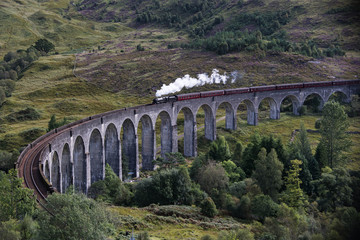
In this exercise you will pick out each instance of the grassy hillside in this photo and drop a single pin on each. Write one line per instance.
(25, 21)
(118, 53)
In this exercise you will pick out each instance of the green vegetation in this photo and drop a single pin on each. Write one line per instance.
(333, 127)
(293, 196)
(44, 45)
(55, 124)
(114, 54)
(74, 216)
(15, 201)
(268, 172)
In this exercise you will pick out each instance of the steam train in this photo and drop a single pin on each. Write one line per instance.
(188, 96)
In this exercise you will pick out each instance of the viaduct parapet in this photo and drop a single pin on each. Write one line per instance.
(77, 156)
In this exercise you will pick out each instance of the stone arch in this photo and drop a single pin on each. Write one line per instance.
(209, 122)
(55, 172)
(319, 97)
(112, 148)
(165, 133)
(66, 168)
(250, 111)
(147, 143)
(80, 175)
(295, 103)
(129, 148)
(274, 109)
(189, 132)
(230, 121)
(345, 97)
(47, 170)
(96, 156)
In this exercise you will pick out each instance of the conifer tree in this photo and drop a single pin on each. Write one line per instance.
(237, 156)
(268, 172)
(219, 150)
(293, 196)
(250, 154)
(333, 136)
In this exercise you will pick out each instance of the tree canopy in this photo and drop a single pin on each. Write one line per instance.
(334, 124)
(74, 216)
(15, 201)
(268, 172)
(44, 45)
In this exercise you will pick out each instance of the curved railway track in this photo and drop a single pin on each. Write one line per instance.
(29, 170)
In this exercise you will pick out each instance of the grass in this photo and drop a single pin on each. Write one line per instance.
(50, 87)
(170, 222)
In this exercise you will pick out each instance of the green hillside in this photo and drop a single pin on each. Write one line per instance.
(111, 54)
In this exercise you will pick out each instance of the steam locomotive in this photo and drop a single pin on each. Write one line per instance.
(188, 96)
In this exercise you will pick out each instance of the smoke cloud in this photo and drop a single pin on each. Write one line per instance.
(190, 82)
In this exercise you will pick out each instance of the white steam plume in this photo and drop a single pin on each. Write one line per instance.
(190, 82)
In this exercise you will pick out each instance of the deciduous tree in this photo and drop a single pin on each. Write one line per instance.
(15, 200)
(74, 216)
(44, 45)
(333, 189)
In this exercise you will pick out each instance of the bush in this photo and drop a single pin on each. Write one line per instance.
(44, 45)
(208, 207)
(140, 48)
(111, 189)
(143, 236)
(8, 86)
(2, 96)
(32, 134)
(23, 115)
(318, 124)
(6, 161)
(166, 187)
(52, 124)
(240, 234)
(302, 110)
(263, 206)
(74, 217)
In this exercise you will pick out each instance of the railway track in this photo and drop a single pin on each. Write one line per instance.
(29, 170)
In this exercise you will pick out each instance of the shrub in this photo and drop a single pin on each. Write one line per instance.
(208, 207)
(23, 115)
(111, 189)
(8, 86)
(172, 186)
(52, 124)
(140, 48)
(143, 236)
(302, 110)
(2, 96)
(318, 124)
(44, 45)
(74, 216)
(263, 206)
(6, 161)
(32, 134)
(239, 234)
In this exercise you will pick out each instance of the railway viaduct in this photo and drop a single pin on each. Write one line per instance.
(78, 153)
